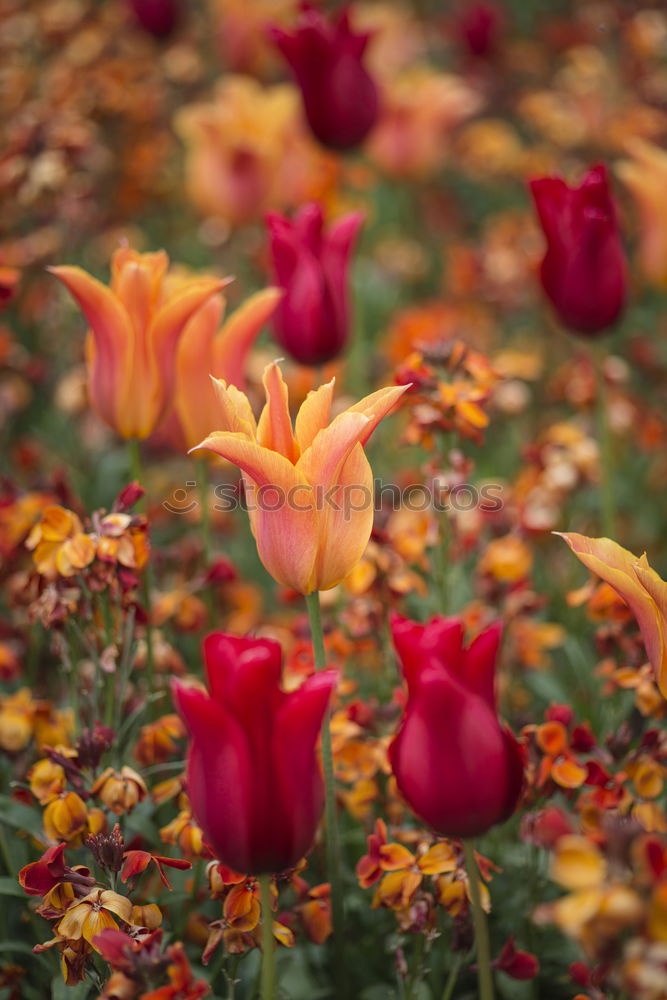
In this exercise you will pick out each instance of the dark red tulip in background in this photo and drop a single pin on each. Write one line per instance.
(311, 263)
(253, 777)
(157, 17)
(326, 57)
(458, 769)
(584, 269)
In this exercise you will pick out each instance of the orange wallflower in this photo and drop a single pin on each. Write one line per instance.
(309, 488)
(92, 914)
(134, 332)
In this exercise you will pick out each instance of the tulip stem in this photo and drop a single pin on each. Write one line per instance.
(202, 477)
(268, 957)
(136, 471)
(330, 818)
(607, 499)
(484, 973)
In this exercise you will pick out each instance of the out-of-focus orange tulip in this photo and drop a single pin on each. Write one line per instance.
(645, 176)
(205, 349)
(247, 150)
(641, 588)
(309, 489)
(134, 331)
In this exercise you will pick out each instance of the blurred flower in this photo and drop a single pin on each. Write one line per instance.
(312, 322)
(252, 775)
(327, 59)
(134, 333)
(420, 108)
(299, 481)
(60, 546)
(247, 151)
(640, 587)
(158, 17)
(478, 25)
(207, 349)
(456, 767)
(584, 270)
(645, 175)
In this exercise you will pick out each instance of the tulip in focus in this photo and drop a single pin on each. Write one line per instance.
(645, 176)
(584, 270)
(207, 348)
(340, 97)
(253, 777)
(641, 588)
(309, 489)
(157, 17)
(458, 769)
(133, 338)
(312, 322)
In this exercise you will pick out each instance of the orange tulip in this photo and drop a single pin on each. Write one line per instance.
(641, 588)
(134, 333)
(309, 488)
(205, 350)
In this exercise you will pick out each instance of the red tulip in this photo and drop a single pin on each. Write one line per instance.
(311, 264)
(584, 269)
(253, 777)
(157, 17)
(458, 769)
(339, 95)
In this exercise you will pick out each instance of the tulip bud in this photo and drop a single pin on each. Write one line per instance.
(478, 26)
(584, 270)
(458, 769)
(312, 321)
(339, 95)
(253, 779)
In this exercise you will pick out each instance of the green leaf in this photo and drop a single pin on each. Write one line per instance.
(10, 887)
(20, 816)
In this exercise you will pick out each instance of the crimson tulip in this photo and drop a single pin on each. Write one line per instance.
(584, 270)
(311, 264)
(253, 777)
(456, 766)
(340, 97)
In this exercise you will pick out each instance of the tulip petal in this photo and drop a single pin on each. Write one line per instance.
(480, 663)
(439, 640)
(618, 568)
(274, 429)
(314, 414)
(110, 357)
(240, 332)
(656, 589)
(235, 411)
(170, 321)
(195, 399)
(337, 468)
(377, 406)
(219, 774)
(299, 783)
(281, 507)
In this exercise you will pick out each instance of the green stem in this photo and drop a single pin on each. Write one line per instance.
(268, 957)
(484, 972)
(448, 991)
(330, 818)
(607, 498)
